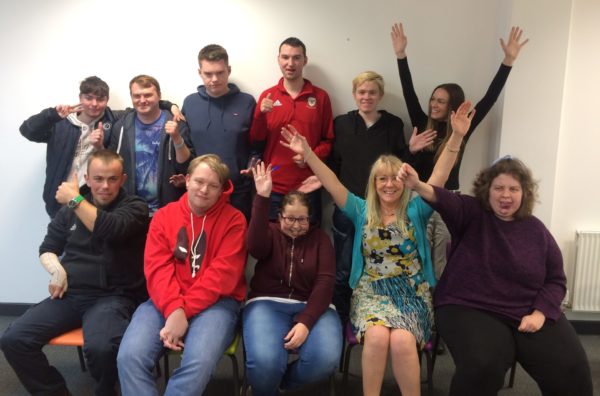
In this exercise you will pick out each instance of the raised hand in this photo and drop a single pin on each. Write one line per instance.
(513, 46)
(310, 184)
(64, 110)
(461, 118)
(266, 105)
(419, 141)
(399, 40)
(97, 137)
(294, 141)
(408, 175)
(172, 129)
(177, 114)
(248, 171)
(262, 179)
(68, 190)
(177, 180)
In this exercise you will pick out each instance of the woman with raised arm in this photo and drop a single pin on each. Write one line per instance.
(444, 99)
(500, 296)
(361, 136)
(289, 302)
(391, 269)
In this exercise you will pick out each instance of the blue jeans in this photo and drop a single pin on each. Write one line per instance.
(265, 324)
(209, 333)
(343, 241)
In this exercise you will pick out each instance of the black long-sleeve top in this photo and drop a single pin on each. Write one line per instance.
(425, 160)
(109, 259)
(356, 147)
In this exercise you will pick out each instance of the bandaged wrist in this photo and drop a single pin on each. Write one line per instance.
(51, 264)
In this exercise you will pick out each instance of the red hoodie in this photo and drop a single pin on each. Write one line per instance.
(167, 256)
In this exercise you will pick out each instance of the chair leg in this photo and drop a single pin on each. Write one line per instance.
(436, 343)
(235, 373)
(429, 356)
(332, 384)
(513, 369)
(245, 386)
(346, 366)
(166, 366)
(81, 359)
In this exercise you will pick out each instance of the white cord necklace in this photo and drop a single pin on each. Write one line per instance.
(194, 247)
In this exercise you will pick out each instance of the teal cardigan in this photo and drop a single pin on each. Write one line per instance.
(418, 213)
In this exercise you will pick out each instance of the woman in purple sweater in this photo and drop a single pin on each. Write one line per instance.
(289, 303)
(499, 298)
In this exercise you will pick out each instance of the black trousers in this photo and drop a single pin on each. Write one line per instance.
(484, 346)
(104, 320)
(343, 241)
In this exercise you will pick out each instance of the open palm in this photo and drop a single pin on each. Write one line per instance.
(294, 141)
(461, 118)
(262, 179)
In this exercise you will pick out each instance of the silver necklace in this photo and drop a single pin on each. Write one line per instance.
(194, 247)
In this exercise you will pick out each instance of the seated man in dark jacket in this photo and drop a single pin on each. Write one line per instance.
(96, 284)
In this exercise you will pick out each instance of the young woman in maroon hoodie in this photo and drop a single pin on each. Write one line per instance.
(289, 303)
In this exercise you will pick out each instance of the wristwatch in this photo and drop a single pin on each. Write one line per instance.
(72, 204)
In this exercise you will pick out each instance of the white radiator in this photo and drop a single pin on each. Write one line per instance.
(586, 287)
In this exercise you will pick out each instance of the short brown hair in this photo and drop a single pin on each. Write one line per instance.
(106, 157)
(215, 163)
(94, 86)
(145, 81)
(213, 53)
(515, 168)
(293, 42)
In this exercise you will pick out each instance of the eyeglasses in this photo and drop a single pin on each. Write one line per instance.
(385, 179)
(291, 220)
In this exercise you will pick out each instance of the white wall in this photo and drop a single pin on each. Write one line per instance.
(49, 47)
(577, 188)
(548, 118)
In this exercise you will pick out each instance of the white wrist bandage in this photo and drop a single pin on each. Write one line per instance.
(52, 265)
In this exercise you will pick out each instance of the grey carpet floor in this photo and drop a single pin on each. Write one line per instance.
(80, 383)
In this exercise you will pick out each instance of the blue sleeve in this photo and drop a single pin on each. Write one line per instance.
(355, 209)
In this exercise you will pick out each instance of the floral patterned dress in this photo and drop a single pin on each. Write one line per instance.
(392, 291)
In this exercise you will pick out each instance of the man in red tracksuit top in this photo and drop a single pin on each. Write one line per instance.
(294, 100)
(194, 266)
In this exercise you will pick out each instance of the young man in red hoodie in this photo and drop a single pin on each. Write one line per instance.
(194, 266)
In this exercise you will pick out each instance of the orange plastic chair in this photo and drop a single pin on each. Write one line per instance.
(71, 338)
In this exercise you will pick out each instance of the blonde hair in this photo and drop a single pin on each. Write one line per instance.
(374, 218)
(368, 76)
(215, 163)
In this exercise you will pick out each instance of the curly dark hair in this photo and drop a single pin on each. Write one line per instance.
(517, 169)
